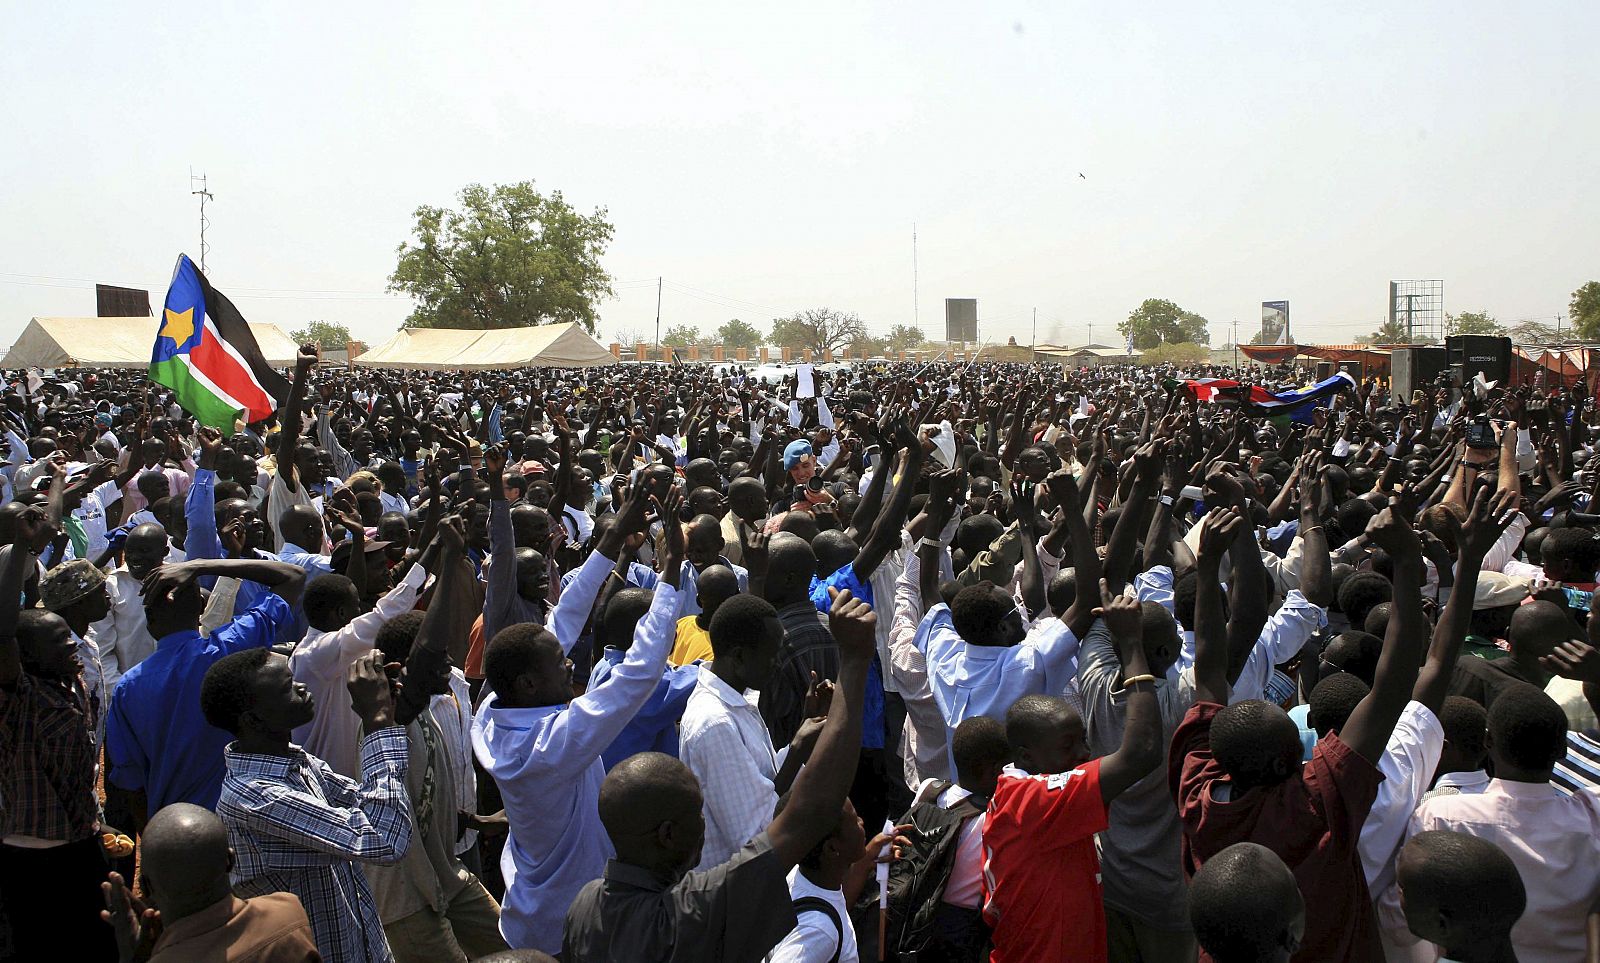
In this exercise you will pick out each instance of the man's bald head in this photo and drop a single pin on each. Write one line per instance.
(145, 548)
(644, 790)
(1246, 906)
(185, 860)
(1537, 628)
(790, 565)
(302, 525)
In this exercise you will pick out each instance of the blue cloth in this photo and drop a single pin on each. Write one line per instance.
(157, 739)
(873, 716)
(689, 583)
(1300, 715)
(496, 436)
(1280, 537)
(654, 727)
(202, 541)
(314, 563)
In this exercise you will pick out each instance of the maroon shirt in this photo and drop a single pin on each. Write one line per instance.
(1311, 820)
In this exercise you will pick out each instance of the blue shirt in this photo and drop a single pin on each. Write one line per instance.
(689, 583)
(314, 563)
(546, 761)
(872, 709)
(202, 541)
(654, 728)
(157, 739)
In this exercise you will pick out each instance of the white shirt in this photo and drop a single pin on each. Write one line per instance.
(91, 514)
(322, 660)
(452, 713)
(1553, 839)
(926, 739)
(123, 636)
(728, 748)
(815, 938)
(965, 886)
(1408, 763)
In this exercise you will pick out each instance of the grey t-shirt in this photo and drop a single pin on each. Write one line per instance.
(1140, 865)
(734, 912)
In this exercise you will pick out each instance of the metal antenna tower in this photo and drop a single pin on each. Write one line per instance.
(205, 195)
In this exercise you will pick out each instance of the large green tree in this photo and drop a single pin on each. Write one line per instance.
(681, 335)
(507, 257)
(1472, 322)
(1158, 321)
(1585, 311)
(904, 337)
(820, 329)
(329, 334)
(739, 334)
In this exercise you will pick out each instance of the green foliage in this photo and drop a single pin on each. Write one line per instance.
(904, 337)
(1585, 311)
(681, 335)
(818, 329)
(1472, 322)
(1161, 322)
(1182, 352)
(873, 347)
(329, 334)
(510, 257)
(1393, 332)
(739, 334)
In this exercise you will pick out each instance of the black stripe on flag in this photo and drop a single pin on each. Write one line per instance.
(233, 329)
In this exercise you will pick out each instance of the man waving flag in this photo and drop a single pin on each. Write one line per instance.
(205, 353)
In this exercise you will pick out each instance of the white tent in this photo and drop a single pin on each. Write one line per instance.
(547, 345)
(114, 343)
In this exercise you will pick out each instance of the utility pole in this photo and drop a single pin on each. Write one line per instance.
(1236, 342)
(205, 195)
(1033, 339)
(658, 315)
(916, 313)
(1091, 333)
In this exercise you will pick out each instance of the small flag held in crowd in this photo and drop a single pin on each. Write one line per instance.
(204, 351)
(1296, 405)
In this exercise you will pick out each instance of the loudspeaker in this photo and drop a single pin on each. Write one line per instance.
(1325, 370)
(1412, 369)
(1470, 354)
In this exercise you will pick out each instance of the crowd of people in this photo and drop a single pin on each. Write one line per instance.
(915, 662)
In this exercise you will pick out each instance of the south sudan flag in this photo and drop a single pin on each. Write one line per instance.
(206, 354)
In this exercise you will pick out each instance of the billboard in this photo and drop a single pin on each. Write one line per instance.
(1274, 322)
(961, 319)
(111, 301)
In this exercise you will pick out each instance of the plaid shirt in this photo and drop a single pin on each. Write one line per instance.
(47, 761)
(298, 826)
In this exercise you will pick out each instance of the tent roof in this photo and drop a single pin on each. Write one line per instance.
(114, 343)
(551, 345)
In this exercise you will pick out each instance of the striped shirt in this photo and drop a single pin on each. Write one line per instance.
(297, 826)
(1581, 768)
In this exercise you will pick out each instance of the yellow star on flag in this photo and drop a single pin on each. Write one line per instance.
(179, 325)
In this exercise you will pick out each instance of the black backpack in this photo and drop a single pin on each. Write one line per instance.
(820, 905)
(917, 880)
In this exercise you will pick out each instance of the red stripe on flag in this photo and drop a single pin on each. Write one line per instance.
(209, 358)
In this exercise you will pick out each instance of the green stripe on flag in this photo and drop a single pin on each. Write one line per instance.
(193, 394)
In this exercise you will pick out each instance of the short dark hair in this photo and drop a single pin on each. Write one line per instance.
(978, 742)
(1528, 727)
(1238, 745)
(396, 636)
(1237, 914)
(619, 615)
(1333, 700)
(1465, 725)
(977, 613)
(512, 652)
(1034, 717)
(739, 623)
(1360, 592)
(1577, 546)
(228, 689)
(325, 593)
(1357, 653)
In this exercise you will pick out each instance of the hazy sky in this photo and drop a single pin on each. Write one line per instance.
(767, 158)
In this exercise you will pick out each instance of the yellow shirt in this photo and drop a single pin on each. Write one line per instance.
(691, 644)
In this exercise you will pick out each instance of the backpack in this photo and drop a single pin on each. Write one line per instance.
(816, 903)
(917, 880)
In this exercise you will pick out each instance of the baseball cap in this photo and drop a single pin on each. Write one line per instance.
(69, 583)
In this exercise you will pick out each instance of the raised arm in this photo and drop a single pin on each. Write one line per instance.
(1085, 563)
(290, 422)
(886, 530)
(1374, 717)
(1141, 750)
(819, 791)
(13, 563)
(1487, 518)
(1213, 675)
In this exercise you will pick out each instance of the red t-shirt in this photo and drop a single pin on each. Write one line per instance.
(1312, 821)
(1041, 877)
